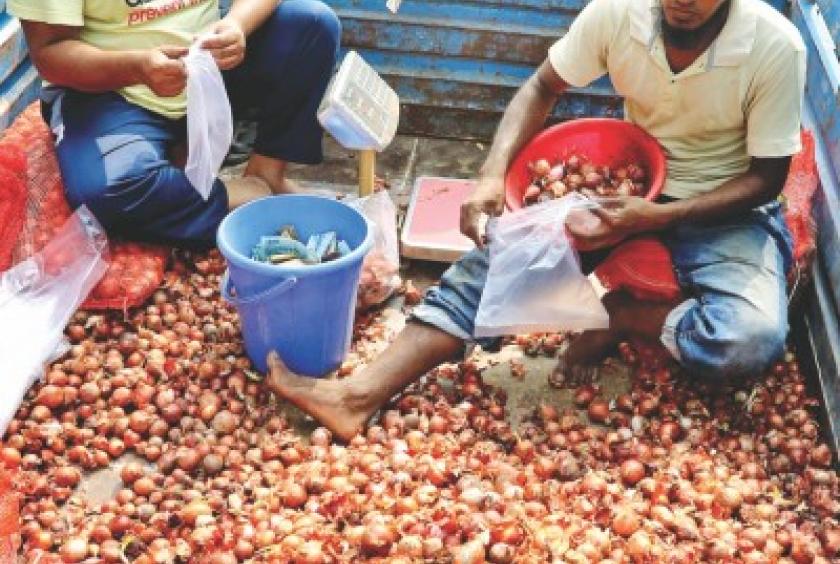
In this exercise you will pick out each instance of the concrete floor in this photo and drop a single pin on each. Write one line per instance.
(405, 160)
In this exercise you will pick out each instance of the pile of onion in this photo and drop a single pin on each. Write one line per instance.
(673, 469)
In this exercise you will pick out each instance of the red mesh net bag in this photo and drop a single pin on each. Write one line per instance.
(136, 270)
(27, 154)
(802, 183)
(9, 518)
(12, 201)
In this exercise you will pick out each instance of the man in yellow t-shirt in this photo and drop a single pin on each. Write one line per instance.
(116, 101)
(719, 83)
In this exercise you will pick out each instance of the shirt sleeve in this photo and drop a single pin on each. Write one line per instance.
(774, 114)
(580, 56)
(56, 12)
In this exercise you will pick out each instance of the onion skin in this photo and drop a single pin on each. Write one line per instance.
(632, 471)
(672, 469)
(377, 540)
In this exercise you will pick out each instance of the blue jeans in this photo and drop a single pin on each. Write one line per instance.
(115, 156)
(734, 322)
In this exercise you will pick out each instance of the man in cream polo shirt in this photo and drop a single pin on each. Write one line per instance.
(719, 83)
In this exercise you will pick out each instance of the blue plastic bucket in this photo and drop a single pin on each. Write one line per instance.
(305, 313)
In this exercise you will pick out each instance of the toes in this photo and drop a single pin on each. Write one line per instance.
(566, 376)
(559, 376)
(276, 366)
(557, 379)
(585, 374)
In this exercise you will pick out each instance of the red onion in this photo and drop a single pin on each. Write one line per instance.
(632, 471)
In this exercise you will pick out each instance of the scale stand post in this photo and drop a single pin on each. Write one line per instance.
(367, 171)
(361, 112)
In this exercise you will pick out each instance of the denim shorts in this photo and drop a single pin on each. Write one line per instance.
(733, 322)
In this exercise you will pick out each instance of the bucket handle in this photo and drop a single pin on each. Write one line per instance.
(226, 286)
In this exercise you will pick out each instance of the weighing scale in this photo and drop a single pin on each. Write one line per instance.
(432, 227)
(362, 113)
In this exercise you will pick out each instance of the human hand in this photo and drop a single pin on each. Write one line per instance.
(620, 218)
(163, 70)
(488, 198)
(226, 43)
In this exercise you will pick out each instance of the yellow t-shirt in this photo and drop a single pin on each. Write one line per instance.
(128, 24)
(742, 98)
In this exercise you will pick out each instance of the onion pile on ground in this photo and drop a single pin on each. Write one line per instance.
(673, 471)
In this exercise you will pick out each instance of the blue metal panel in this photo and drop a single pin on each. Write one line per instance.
(463, 39)
(12, 45)
(498, 15)
(819, 24)
(778, 4)
(467, 55)
(831, 12)
(823, 80)
(822, 338)
(827, 211)
(17, 92)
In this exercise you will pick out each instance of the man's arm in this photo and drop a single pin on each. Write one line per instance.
(523, 118)
(251, 14)
(64, 60)
(622, 217)
(762, 183)
(229, 39)
(577, 59)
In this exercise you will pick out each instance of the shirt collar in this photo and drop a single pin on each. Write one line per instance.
(731, 48)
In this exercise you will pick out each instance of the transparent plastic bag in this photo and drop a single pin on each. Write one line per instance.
(380, 272)
(209, 120)
(534, 282)
(37, 298)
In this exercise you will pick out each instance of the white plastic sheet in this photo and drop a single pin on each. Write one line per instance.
(535, 282)
(209, 120)
(37, 298)
(380, 272)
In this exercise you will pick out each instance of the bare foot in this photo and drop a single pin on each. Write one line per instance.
(285, 186)
(243, 190)
(273, 172)
(332, 402)
(580, 363)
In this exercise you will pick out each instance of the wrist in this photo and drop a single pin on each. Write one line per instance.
(238, 22)
(489, 187)
(494, 169)
(668, 215)
(138, 65)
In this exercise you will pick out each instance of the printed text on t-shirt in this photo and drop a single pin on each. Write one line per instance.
(145, 15)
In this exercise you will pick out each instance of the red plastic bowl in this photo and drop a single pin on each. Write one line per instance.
(602, 141)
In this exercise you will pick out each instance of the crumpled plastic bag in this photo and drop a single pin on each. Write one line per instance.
(37, 298)
(209, 120)
(380, 276)
(534, 282)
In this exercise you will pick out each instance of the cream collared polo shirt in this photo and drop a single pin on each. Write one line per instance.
(742, 98)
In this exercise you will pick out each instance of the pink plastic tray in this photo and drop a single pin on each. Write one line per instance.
(432, 225)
